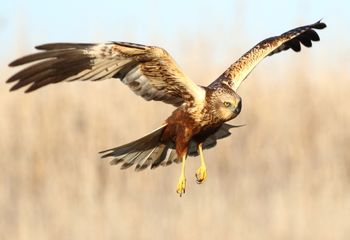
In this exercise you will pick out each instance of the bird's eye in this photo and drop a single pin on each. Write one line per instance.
(227, 104)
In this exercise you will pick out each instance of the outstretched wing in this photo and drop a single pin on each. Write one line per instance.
(148, 71)
(211, 141)
(237, 72)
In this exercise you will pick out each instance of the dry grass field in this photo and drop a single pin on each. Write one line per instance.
(285, 175)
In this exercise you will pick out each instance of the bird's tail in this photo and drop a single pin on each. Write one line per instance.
(144, 152)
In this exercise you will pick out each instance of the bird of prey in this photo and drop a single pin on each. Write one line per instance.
(201, 113)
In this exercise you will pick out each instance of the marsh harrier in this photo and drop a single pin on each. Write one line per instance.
(150, 72)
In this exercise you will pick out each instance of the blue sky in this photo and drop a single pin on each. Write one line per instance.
(165, 23)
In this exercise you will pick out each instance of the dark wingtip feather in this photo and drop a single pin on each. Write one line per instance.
(12, 64)
(312, 34)
(50, 46)
(16, 62)
(305, 40)
(11, 79)
(60, 46)
(295, 45)
(13, 88)
(35, 86)
(36, 57)
(30, 89)
(319, 25)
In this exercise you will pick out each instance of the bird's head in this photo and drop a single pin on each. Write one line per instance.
(227, 103)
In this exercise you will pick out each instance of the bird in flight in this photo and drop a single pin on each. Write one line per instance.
(201, 113)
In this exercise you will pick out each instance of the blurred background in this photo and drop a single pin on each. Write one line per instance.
(285, 175)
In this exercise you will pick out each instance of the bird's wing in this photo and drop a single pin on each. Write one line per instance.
(211, 141)
(238, 71)
(148, 71)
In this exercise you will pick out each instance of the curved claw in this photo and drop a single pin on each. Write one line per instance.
(181, 185)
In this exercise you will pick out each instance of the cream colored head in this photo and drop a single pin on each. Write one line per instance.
(227, 104)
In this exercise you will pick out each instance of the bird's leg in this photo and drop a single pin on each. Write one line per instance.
(181, 185)
(201, 173)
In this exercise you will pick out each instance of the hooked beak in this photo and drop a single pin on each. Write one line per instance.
(239, 107)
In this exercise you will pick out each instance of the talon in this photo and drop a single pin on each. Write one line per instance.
(201, 174)
(181, 185)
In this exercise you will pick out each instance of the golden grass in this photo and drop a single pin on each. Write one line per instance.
(283, 176)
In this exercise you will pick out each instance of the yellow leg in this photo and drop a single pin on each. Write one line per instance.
(181, 185)
(201, 173)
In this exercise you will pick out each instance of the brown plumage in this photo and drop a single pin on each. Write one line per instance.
(150, 72)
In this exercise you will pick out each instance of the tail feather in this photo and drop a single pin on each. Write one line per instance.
(158, 154)
(142, 157)
(144, 152)
(129, 159)
(169, 158)
(145, 143)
